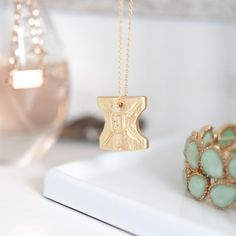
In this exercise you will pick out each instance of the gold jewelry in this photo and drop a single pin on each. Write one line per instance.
(121, 130)
(210, 165)
(26, 64)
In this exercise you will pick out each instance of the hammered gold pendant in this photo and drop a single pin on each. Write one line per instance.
(121, 130)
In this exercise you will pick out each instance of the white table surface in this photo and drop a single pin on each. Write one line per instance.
(23, 210)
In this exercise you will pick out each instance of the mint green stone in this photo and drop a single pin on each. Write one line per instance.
(227, 136)
(197, 186)
(232, 168)
(208, 138)
(223, 195)
(233, 153)
(192, 154)
(184, 178)
(212, 163)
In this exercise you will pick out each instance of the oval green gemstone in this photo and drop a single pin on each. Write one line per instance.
(212, 163)
(197, 186)
(232, 153)
(208, 138)
(192, 154)
(232, 168)
(227, 136)
(223, 195)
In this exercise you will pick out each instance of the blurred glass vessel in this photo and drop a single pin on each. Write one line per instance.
(30, 117)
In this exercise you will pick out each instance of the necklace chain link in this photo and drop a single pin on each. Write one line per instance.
(120, 47)
(33, 32)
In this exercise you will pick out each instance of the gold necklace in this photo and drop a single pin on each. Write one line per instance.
(121, 113)
(24, 73)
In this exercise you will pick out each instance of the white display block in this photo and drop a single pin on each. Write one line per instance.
(139, 192)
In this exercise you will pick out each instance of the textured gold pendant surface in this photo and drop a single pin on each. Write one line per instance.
(121, 130)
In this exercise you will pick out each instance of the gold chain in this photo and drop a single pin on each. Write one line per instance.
(34, 31)
(120, 48)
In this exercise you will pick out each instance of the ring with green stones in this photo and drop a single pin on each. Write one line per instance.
(210, 165)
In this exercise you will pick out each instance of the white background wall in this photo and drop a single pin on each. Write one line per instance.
(187, 68)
